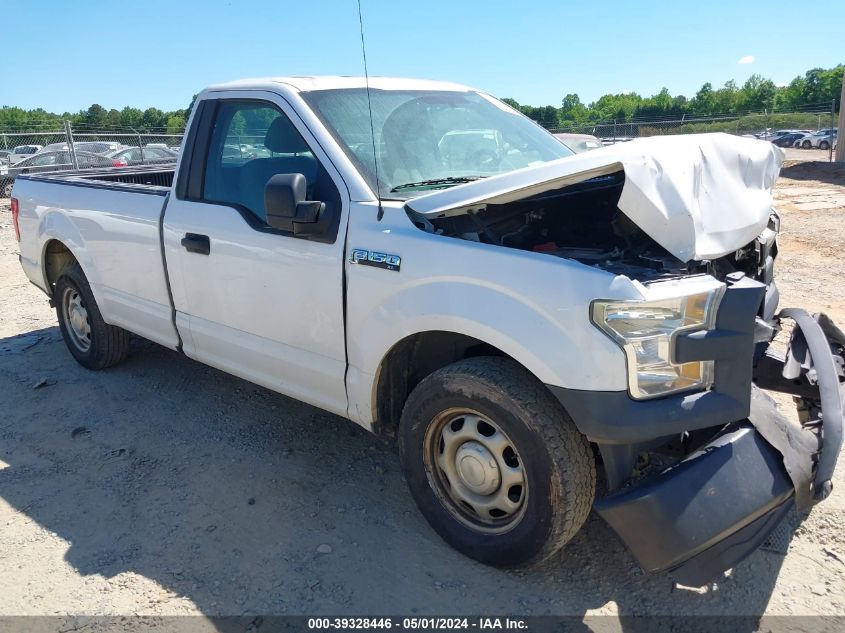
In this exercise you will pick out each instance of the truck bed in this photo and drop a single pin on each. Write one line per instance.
(111, 219)
(153, 179)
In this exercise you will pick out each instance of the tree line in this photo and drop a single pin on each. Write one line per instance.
(813, 90)
(96, 117)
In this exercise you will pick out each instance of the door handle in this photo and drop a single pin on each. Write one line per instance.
(196, 243)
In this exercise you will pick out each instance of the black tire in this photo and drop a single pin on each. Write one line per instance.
(824, 145)
(107, 344)
(7, 189)
(806, 144)
(559, 469)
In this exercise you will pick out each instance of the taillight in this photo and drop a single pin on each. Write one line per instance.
(119, 163)
(15, 210)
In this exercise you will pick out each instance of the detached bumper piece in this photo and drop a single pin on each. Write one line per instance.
(712, 509)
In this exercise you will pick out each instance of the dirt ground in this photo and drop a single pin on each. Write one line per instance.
(162, 486)
(797, 154)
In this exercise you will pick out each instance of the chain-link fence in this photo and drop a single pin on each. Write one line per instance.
(808, 130)
(813, 137)
(65, 147)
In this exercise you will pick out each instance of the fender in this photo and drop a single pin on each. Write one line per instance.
(54, 225)
(550, 348)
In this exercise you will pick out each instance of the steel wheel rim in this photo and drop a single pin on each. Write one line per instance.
(75, 316)
(475, 470)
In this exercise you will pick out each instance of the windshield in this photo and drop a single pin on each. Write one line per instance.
(428, 140)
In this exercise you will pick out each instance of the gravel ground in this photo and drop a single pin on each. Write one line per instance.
(164, 487)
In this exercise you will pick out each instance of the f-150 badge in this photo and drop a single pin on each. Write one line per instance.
(373, 258)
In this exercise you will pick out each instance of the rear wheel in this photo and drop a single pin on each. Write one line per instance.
(7, 189)
(824, 145)
(93, 343)
(494, 463)
(806, 144)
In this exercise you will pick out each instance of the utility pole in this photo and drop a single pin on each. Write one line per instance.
(840, 150)
(70, 147)
(832, 114)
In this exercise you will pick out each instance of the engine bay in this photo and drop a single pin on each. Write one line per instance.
(583, 222)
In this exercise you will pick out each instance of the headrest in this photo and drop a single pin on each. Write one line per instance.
(282, 137)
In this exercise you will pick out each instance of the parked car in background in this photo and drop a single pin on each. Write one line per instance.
(98, 147)
(52, 161)
(21, 152)
(53, 147)
(787, 140)
(821, 139)
(777, 134)
(149, 155)
(799, 142)
(95, 147)
(579, 142)
(4, 156)
(824, 141)
(478, 150)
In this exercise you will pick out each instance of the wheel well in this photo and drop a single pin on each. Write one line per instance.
(57, 257)
(412, 359)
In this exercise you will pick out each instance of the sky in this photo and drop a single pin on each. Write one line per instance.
(64, 55)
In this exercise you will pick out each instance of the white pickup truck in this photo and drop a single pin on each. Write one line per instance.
(425, 261)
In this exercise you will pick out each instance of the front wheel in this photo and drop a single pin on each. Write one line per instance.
(806, 144)
(494, 463)
(824, 145)
(93, 343)
(7, 189)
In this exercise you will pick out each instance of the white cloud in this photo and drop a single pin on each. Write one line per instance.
(748, 59)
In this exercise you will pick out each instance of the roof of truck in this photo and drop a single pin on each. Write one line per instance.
(305, 84)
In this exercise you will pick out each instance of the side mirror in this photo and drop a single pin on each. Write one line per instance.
(288, 210)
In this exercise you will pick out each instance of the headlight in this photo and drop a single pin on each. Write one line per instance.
(646, 331)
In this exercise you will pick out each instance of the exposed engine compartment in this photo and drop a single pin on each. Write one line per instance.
(583, 222)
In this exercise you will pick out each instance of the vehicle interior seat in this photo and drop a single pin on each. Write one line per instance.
(281, 138)
(410, 143)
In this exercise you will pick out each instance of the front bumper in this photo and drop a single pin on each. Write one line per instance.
(710, 510)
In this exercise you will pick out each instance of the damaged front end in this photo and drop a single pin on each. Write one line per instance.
(715, 505)
(701, 473)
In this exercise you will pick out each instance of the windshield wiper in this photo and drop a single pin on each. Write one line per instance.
(451, 180)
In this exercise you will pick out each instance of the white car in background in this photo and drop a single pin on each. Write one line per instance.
(579, 142)
(821, 139)
(22, 152)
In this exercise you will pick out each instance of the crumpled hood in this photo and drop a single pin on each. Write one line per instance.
(700, 196)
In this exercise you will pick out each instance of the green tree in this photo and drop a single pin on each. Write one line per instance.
(572, 110)
(131, 117)
(176, 124)
(95, 117)
(153, 119)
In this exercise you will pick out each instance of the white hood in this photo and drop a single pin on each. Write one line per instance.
(700, 196)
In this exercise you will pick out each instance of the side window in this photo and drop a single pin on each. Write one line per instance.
(88, 160)
(45, 159)
(251, 142)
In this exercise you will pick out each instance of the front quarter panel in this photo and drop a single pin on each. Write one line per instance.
(533, 307)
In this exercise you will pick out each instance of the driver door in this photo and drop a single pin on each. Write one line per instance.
(250, 299)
